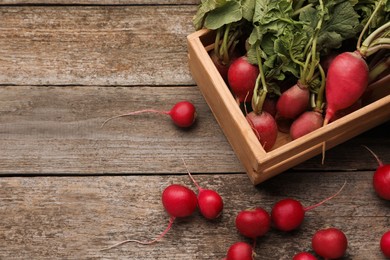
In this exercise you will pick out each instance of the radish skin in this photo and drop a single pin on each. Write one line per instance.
(293, 102)
(242, 77)
(240, 251)
(253, 223)
(306, 123)
(265, 128)
(385, 244)
(304, 256)
(330, 243)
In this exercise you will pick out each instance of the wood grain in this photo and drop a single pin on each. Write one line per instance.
(69, 188)
(94, 45)
(56, 130)
(75, 217)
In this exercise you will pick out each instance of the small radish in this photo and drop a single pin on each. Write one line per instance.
(293, 102)
(310, 121)
(381, 178)
(288, 214)
(304, 256)
(330, 243)
(178, 201)
(183, 114)
(240, 251)
(253, 223)
(209, 201)
(306, 123)
(385, 244)
(242, 77)
(265, 128)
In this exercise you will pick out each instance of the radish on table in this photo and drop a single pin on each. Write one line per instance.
(210, 203)
(183, 114)
(385, 244)
(179, 202)
(304, 256)
(330, 243)
(240, 251)
(288, 214)
(381, 178)
(253, 223)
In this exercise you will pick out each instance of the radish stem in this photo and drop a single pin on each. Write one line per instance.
(365, 28)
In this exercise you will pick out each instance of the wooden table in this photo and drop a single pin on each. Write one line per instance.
(69, 188)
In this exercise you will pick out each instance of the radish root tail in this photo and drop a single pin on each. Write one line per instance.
(325, 200)
(135, 113)
(171, 220)
(326, 121)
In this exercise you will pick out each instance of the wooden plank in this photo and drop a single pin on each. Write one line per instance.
(46, 130)
(95, 45)
(75, 217)
(57, 130)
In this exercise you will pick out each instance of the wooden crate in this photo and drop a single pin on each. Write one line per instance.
(259, 164)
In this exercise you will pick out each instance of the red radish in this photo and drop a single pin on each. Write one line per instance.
(385, 244)
(253, 223)
(240, 251)
(306, 123)
(293, 102)
(269, 106)
(183, 114)
(242, 77)
(178, 201)
(222, 66)
(265, 128)
(381, 178)
(346, 81)
(288, 214)
(209, 201)
(304, 256)
(330, 243)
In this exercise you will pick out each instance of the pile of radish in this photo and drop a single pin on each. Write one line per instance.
(317, 60)
(286, 215)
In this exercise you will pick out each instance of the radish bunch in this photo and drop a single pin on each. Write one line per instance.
(299, 57)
